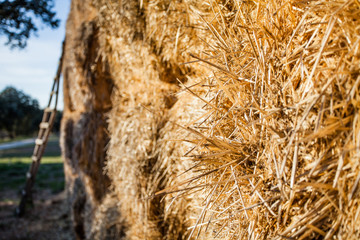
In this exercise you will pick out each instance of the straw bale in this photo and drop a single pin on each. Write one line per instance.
(145, 66)
(87, 90)
(279, 155)
(106, 221)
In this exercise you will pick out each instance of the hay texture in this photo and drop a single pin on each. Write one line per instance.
(228, 119)
(87, 98)
(145, 44)
(278, 151)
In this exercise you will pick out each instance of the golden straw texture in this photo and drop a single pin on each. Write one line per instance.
(233, 119)
(278, 152)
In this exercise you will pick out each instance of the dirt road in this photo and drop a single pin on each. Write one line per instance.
(4, 146)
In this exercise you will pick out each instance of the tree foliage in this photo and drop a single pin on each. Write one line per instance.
(17, 19)
(19, 113)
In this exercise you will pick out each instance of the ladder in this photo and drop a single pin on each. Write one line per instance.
(41, 141)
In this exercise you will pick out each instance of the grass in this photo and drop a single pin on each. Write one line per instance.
(14, 163)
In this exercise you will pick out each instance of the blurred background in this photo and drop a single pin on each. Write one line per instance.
(27, 70)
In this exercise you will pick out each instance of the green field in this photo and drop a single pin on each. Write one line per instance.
(14, 163)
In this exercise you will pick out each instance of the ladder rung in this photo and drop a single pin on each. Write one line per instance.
(34, 158)
(52, 92)
(44, 125)
(39, 141)
(48, 109)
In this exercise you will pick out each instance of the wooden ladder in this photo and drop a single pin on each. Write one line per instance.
(41, 141)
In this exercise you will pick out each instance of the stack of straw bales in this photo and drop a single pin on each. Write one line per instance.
(231, 119)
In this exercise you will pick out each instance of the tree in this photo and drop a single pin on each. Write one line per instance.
(19, 113)
(17, 19)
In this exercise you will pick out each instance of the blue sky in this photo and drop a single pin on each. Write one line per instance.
(33, 69)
